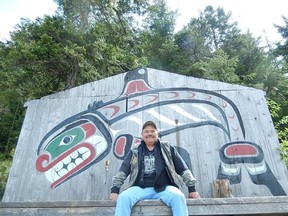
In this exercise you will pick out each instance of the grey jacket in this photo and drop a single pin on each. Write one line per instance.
(173, 162)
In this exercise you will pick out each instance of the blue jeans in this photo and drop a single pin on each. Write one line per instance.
(171, 196)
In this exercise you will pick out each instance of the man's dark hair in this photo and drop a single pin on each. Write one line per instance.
(149, 123)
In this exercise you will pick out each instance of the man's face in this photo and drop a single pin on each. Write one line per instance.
(149, 135)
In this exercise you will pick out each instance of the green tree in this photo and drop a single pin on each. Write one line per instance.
(281, 51)
(281, 125)
(47, 56)
(110, 30)
(278, 89)
(157, 42)
(248, 53)
(11, 106)
(5, 164)
(85, 13)
(219, 67)
(112, 53)
(201, 41)
(282, 47)
(214, 26)
(192, 44)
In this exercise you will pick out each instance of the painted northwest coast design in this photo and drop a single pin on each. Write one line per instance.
(86, 138)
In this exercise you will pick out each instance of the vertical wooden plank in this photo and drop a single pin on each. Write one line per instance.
(212, 107)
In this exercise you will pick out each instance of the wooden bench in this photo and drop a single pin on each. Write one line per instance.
(205, 206)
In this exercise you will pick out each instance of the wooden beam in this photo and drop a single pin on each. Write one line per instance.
(205, 206)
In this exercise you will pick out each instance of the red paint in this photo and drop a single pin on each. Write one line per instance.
(175, 94)
(193, 94)
(78, 167)
(120, 146)
(231, 116)
(241, 150)
(136, 86)
(136, 103)
(89, 129)
(154, 97)
(41, 167)
(235, 128)
(115, 108)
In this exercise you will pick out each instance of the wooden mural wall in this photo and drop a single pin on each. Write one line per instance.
(73, 142)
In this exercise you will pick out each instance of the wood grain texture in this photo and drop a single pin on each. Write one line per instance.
(203, 143)
(205, 206)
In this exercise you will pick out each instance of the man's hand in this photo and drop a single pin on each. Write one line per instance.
(194, 195)
(113, 196)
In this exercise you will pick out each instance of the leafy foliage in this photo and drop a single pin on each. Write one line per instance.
(5, 164)
(219, 67)
(281, 127)
(214, 27)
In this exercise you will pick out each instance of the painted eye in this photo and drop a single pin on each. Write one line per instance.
(67, 140)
